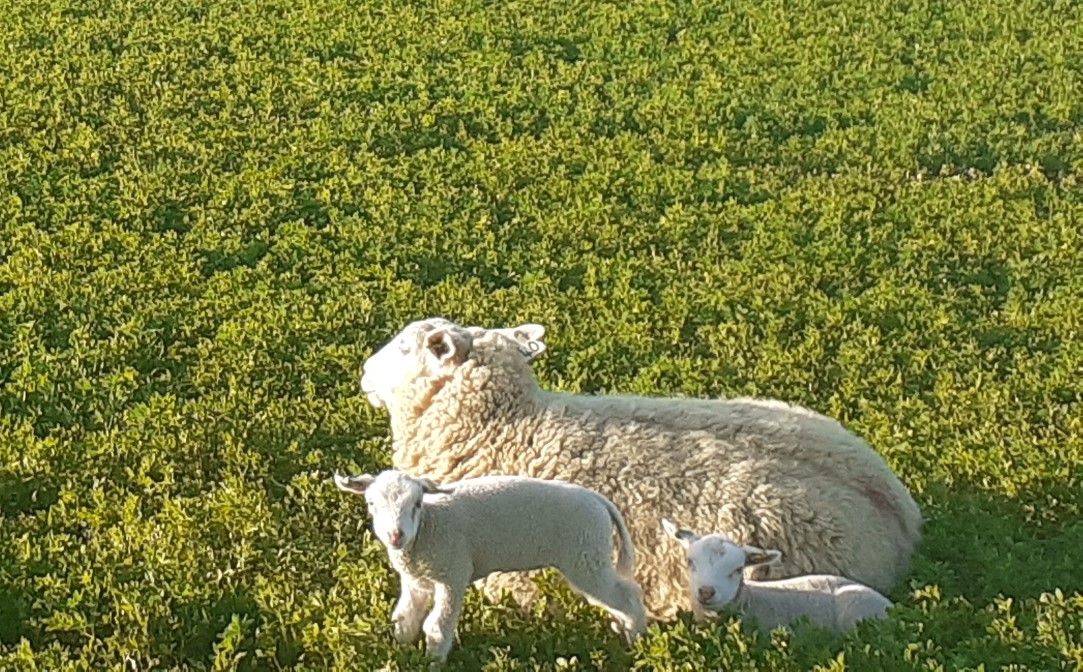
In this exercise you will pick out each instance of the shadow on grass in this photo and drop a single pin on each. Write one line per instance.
(23, 496)
(197, 629)
(565, 627)
(15, 616)
(979, 546)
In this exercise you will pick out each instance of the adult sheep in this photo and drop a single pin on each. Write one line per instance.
(464, 402)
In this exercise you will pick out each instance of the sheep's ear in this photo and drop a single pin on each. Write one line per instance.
(528, 337)
(686, 537)
(447, 345)
(431, 487)
(757, 556)
(355, 484)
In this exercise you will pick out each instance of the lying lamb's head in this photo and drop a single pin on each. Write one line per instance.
(394, 502)
(717, 565)
(430, 347)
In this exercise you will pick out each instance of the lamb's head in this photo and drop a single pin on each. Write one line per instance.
(432, 349)
(394, 501)
(716, 565)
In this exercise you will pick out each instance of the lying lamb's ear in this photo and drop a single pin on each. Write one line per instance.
(355, 484)
(686, 537)
(447, 345)
(758, 556)
(431, 487)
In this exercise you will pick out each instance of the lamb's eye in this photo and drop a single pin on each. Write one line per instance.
(417, 505)
(691, 564)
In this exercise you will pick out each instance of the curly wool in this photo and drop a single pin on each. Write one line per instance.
(762, 472)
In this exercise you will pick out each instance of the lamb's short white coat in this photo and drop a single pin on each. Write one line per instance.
(441, 538)
(716, 580)
(464, 402)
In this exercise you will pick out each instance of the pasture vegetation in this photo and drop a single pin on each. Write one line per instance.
(211, 212)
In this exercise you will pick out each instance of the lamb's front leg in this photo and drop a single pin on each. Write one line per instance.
(442, 621)
(409, 612)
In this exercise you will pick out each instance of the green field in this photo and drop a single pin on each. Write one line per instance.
(212, 211)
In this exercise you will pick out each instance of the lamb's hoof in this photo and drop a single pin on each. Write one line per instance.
(629, 636)
(628, 633)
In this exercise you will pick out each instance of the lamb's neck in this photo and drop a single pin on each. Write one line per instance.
(414, 559)
(746, 596)
(401, 558)
(759, 602)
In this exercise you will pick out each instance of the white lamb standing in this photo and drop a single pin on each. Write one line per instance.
(716, 579)
(441, 538)
(464, 401)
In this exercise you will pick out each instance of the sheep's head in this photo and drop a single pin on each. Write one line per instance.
(432, 348)
(716, 565)
(394, 501)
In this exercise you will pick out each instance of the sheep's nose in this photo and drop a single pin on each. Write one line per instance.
(395, 537)
(706, 593)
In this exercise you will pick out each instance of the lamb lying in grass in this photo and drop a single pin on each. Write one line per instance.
(717, 567)
(441, 538)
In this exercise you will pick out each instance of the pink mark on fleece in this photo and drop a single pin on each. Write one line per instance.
(881, 501)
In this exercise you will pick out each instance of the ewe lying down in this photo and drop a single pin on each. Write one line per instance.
(441, 538)
(464, 401)
(716, 579)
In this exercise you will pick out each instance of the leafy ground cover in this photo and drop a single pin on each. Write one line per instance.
(211, 213)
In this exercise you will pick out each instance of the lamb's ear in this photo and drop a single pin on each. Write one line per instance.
(529, 339)
(355, 484)
(431, 487)
(757, 556)
(686, 537)
(447, 345)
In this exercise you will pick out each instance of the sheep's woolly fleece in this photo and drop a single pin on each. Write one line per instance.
(464, 402)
